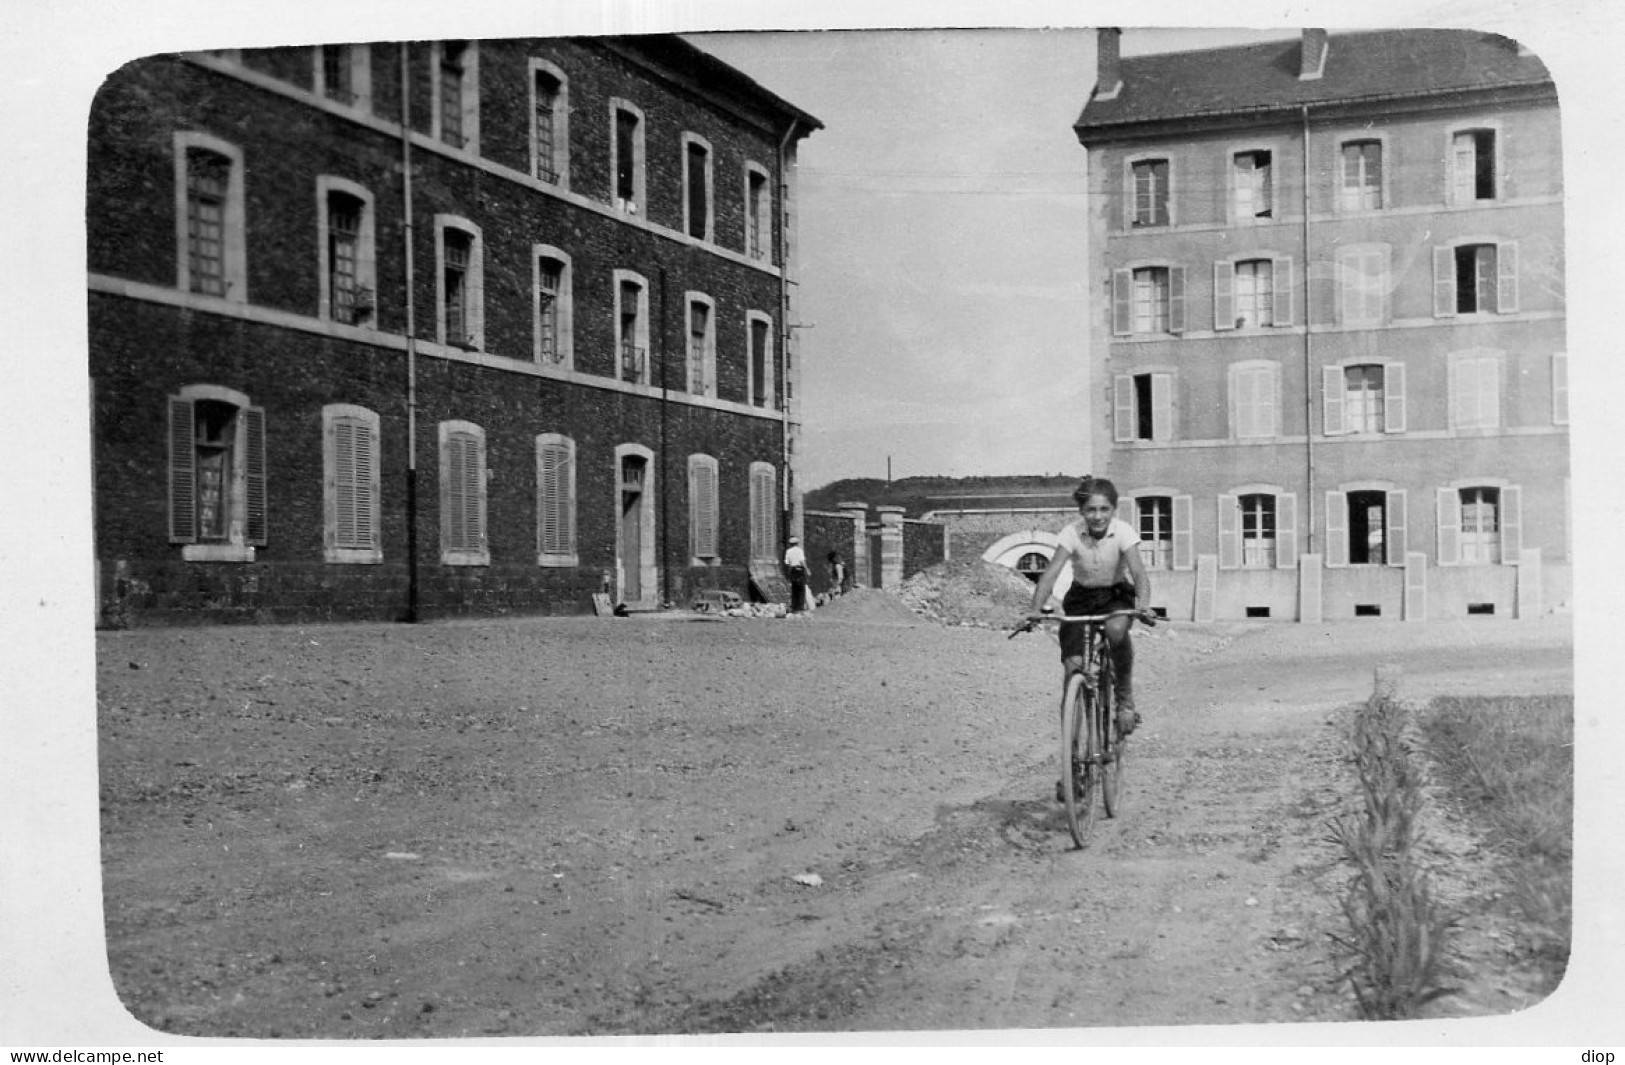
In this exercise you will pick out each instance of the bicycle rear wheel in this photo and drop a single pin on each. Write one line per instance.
(1077, 774)
(1108, 742)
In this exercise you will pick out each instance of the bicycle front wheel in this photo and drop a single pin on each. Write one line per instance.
(1108, 742)
(1077, 774)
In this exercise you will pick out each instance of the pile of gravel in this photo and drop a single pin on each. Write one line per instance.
(968, 593)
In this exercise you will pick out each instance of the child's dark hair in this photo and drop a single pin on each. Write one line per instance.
(1095, 486)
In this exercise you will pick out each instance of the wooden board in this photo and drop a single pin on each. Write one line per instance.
(769, 583)
(601, 604)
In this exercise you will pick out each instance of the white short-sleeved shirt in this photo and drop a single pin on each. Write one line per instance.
(1099, 563)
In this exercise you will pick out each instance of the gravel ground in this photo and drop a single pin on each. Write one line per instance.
(668, 824)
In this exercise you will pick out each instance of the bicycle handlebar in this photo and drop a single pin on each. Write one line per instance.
(1032, 621)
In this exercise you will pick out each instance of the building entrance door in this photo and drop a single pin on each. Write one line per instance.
(634, 470)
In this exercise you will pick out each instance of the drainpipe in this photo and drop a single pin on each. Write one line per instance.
(665, 524)
(784, 323)
(411, 344)
(1308, 379)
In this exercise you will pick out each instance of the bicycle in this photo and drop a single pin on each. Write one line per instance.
(1091, 748)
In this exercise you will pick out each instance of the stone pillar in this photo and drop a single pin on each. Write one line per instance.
(891, 546)
(1528, 593)
(858, 514)
(1311, 607)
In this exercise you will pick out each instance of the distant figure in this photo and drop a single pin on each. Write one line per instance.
(795, 565)
(837, 574)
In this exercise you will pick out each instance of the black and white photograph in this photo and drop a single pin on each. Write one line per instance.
(672, 527)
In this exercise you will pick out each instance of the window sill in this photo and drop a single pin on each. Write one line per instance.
(557, 561)
(465, 558)
(364, 556)
(217, 553)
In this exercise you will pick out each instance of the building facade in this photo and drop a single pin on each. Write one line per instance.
(438, 328)
(1329, 281)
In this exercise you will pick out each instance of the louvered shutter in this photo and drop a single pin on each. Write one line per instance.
(344, 482)
(1123, 427)
(1176, 299)
(475, 488)
(1122, 302)
(1464, 158)
(548, 503)
(1337, 529)
(1128, 512)
(1229, 533)
(1286, 531)
(1269, 401)
(1448, 506)
(1281, 291)
(1506, 276)
(1393, 397)
(1511, 524)
(567, 499)
(254, 475)
(1184, 540)
(1224, 295)
(367, 486)
(1162, 406)
(1459, 374)
(1333, 402)
(1488, 399)
(1444, 282)
(452, 525)
(182, 473)
(1397, 541)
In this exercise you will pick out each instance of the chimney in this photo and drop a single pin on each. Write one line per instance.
(1312, 63)
(1108, 63)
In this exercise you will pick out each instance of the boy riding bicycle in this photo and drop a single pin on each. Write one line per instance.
(1107, 575)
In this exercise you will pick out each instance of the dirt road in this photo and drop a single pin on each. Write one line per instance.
(841, 823)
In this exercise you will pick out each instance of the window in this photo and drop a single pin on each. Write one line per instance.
(702, 346)
(1254, 409)
(1032, 565)
(461, 301)
(1480, 524)
(1362, 176)
(1164, 523)
(632, 327)
(1258, 529)
(348, 259)
(1362, 285)
(759, 326)
(1143, 406)
(555, 500)
(1560, 389)
(462, 495)
(1251, 293)
(1364, 398)
(1475, 279)
(702, 509)
(209, 217)
(550, 124)
(764, 513)
(1148, 205)
(350, 485)
(1475, 390)
(696, 187)
(554, 307)
(1148, 300)
(217, 499)
(758, 222)
(344, 74)
(1472, 164)
(1365, 527)
(1253, 185)
(627, 156)
(456, 90)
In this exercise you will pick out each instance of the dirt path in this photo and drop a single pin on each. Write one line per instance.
(582, 826)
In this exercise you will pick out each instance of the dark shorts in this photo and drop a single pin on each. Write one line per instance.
(1081, 600)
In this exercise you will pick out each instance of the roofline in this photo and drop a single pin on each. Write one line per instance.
(627, 46)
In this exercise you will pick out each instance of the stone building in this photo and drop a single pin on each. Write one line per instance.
(1332, 372)
(450, 327)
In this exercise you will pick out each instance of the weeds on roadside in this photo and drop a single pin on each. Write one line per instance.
(1396, 945)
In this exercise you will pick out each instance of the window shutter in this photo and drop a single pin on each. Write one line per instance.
(1393, 397)
(1162, 406)
(1286, 531)
(1333, 402)
(1184, 542)
(182, 473)
(1229, 533)
(1268, 399)
(567, 499)
(476, 492)
(1444, 282)
(1560, 389)
(1337, 529)
(368, 489)
(1449, 526)
(254, 474)
(451, 500)
(1128, 512)
(1123, 427)
(1463, 159)
(1396, 541)
(1456, 372)
(343, 432)
(708, 481)
(1506, 271)
(1266, 187)
(1224, 295)
(1511, 524)
(1122, 302)
(1281, 290)
(1488, 402)
(1176, 299)
(547, 498)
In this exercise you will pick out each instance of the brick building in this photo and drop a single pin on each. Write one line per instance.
(439, 328)
(1329, 275)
